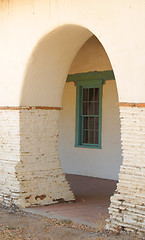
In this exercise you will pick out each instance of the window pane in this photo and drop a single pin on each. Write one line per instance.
(91, 123)
(91, 94)
(96, 108)
(85, 136)
(85, 126)
(85, 94)
(96, 94)
(96, 137)
(91, 108)
(96, 123)
(84, 108)
(91, 137)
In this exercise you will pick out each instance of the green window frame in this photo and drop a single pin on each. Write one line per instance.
(88, 113)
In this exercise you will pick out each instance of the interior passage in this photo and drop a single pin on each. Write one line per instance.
(91, 205)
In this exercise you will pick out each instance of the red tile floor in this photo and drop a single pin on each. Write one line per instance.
(91, 205)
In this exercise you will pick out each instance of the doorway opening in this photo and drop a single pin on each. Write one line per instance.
(92, 166)
(96, 155)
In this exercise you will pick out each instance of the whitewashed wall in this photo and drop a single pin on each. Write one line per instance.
(38, 41)
(105, 162)
(25, 48)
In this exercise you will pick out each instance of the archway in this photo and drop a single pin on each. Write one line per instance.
(41, 104)
(49, 64)
(79, 162)
(91, 61)
(41, 98)
(31, 94)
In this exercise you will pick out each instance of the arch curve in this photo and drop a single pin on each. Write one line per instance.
(49, 64)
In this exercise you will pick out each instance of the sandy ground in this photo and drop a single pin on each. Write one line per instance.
(15, 224)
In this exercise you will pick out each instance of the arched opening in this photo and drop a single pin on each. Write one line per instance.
(49, 64)
(91, 172)
(32, 86)
(41, 102)
(104, 162)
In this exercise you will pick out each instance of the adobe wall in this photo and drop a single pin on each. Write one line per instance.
(38, 42)
(118, 26)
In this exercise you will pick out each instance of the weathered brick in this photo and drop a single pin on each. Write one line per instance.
(127, 208)
(29, 163)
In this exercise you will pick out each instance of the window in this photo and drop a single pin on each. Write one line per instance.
(88, 113)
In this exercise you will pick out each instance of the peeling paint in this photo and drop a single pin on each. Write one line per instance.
(41, 197)
(27, 197)
(59, 200)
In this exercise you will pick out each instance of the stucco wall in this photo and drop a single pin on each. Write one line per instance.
(118, 25)
(105, 162)
(38, 42)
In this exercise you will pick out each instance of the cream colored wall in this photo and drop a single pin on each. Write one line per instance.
(49, 65)
(119, 25)
(105, 162)
(38, 42)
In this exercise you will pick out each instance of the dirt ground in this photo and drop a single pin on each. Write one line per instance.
(15, 224)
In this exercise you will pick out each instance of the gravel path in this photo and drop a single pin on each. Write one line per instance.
(15, 224)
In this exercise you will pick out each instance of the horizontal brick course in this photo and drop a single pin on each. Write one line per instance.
(29, 108)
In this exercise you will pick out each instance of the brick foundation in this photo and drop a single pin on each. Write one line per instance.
(31, 173)
(30, 168)
(127, 209)
(9, 156)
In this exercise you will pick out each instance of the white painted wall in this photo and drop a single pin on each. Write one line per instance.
(105, 162)
(25, 26)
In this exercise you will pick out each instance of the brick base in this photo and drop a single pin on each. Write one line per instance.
(127, 209)
(30, 168)
(9, 156)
